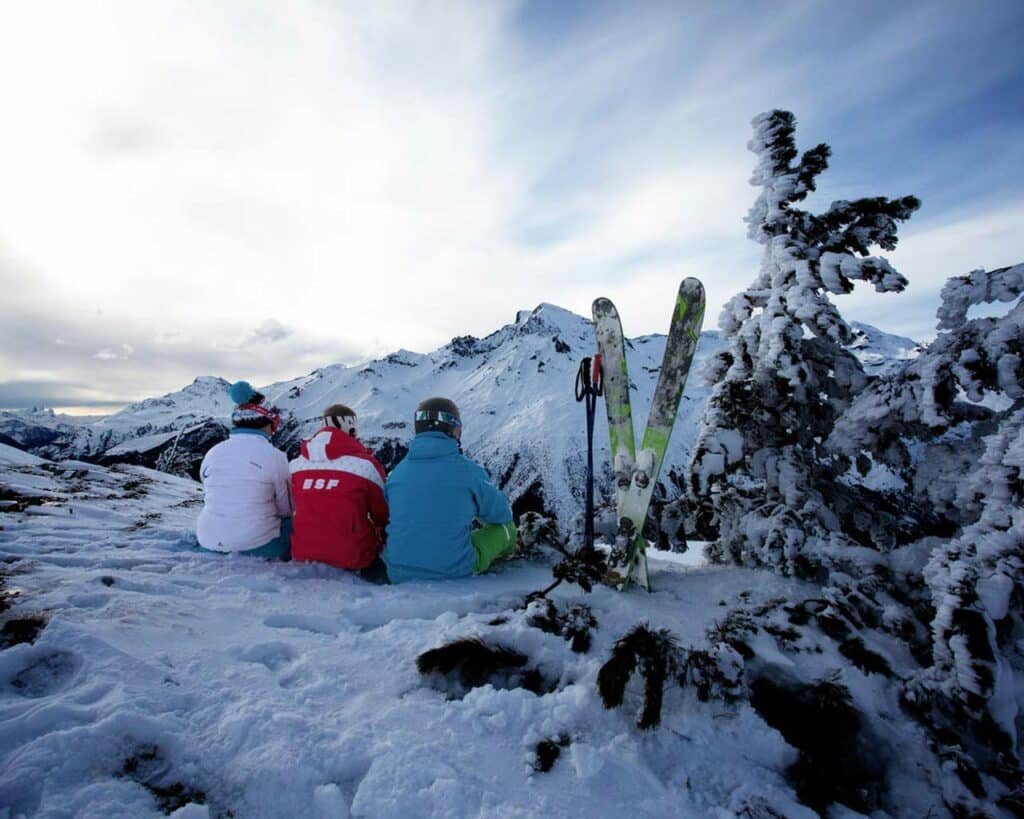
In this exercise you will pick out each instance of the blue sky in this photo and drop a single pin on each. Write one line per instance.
(255, 189)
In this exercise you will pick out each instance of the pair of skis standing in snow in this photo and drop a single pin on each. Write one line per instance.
(636, 473)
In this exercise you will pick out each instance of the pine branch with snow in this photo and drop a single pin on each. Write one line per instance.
(925, 426)
(976, 582)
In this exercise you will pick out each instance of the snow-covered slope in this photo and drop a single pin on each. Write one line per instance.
(138, 428)
(140, 678)
(42, 428)
(514, 387)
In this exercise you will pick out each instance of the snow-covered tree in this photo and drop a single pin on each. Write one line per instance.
(949, 428)
(787, 375)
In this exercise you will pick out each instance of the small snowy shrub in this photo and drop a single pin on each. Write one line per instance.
(575, 622)
(585, 567)
(547, 751)
(534, 532)
(655, 655)
(715, 673)
(461, 665)
(836, 763)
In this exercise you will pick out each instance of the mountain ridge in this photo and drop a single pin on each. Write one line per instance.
(514, 387)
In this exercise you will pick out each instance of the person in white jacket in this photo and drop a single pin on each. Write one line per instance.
(247, 505)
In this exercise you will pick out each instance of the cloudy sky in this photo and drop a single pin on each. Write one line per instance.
(255, 189)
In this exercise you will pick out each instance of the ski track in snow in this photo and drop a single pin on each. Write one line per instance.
(291, 690)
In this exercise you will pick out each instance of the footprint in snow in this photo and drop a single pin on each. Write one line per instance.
(297, 678)
(45, 674)
(273, 655)
(257, 584)
(93, 600)
(308, 622)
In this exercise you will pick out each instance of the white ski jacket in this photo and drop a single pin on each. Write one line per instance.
(246, 487)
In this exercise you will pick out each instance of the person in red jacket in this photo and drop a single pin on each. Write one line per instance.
(338, 492)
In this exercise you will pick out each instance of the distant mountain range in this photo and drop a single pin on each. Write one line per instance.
(514, 388)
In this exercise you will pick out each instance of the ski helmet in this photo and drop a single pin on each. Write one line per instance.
(341, 417)
(437, 415)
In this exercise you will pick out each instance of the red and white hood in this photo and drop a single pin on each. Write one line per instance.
(335, 451)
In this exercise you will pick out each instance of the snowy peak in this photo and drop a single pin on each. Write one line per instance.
(546, 320)
(196, 397)
(881, 342)
(557, 320)
(882, 353)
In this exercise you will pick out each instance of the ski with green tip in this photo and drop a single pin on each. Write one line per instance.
(629, 557)
(612, 347)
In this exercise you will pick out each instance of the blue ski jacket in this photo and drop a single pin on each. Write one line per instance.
(434, 494)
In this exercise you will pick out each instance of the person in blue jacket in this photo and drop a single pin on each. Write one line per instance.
(434, 495)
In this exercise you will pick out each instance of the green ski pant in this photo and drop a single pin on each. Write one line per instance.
(494, 541)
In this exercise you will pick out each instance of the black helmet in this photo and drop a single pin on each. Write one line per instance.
(437, 415)
(341, 417)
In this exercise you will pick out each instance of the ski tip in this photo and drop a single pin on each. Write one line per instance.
(602, 307)
(691, 285)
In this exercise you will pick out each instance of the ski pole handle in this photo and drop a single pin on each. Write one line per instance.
(597, 378)
(583, 387)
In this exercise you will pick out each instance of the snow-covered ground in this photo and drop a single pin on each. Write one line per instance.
(276, 690)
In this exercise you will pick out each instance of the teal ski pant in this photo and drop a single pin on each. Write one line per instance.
(280, 548)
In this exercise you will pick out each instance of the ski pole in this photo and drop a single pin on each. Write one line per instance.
(589, 385)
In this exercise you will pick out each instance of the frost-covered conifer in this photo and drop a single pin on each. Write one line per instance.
(954, 421)
(787, 376)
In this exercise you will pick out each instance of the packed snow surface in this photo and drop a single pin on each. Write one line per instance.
(259, 689)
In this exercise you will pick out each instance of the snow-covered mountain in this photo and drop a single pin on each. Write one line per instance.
(514, 387)
(882, 353)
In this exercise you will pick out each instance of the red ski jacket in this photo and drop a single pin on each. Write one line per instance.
(338, 492)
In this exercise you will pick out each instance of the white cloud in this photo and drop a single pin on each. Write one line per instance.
(124, 352)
